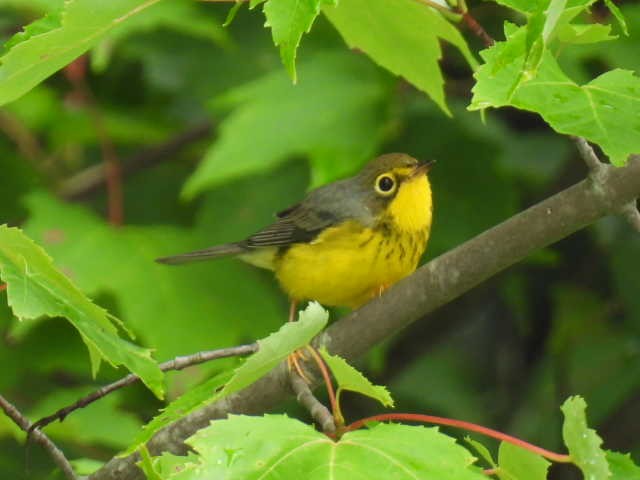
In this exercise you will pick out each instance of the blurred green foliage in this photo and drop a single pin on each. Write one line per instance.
(566, 321)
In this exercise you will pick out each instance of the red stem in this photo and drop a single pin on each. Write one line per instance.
(76, 73)
(477, 29)
(472, 427)
(3, 286)
(327, 380)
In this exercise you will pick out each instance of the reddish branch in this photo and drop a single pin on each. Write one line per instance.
(327, 381)
(3, 286)
(477, 29)
(93, 178)
(76, 74)
(471, 427)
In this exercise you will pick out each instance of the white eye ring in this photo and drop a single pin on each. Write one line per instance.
(385, 184)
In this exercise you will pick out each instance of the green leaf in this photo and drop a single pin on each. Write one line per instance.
(530, 7)
(482, 450)
(585, 34)
(276, 347)
(553, 14)
(184, 310)
(36, 288)
(233, 11)
(42, 25)
(545, 20)
(276, 447)
(195, 398)
(271, 121)
(613, 8)
(516, 463)
(402, 36)
(583, 443)
(622, 466)
(605, 111)
(272, 350)
(288, 20)
(84, 23)
(349, 378)
(147, 466)
(525, 6)
(182, 16)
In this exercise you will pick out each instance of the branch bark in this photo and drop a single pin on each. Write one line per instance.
(54, 452)
(431, 286)
(320, 414)
(178, 363)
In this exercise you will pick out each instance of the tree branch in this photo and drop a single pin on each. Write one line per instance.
(599, 171)
(632, 214)
(431, 286)
(54, 452)
(177, 363)
(320, 414)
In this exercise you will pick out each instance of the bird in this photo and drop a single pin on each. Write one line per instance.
(345, 242)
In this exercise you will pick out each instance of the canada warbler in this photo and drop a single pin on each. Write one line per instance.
(345, 242)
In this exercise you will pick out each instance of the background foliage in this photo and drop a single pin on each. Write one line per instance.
(566, 321)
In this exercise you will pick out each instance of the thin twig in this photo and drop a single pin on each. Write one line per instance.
(92, 178)
(54, 452)
(477, 29)
(76, 73)
(598, 171)
(461, 13)
(3, 286)
(631, 213)
(177, 363)
(596, 166)
(26, 141)
(318, 411)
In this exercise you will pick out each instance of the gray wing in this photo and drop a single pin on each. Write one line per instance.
(322, 208)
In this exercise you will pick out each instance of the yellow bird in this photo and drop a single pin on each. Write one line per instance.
(347, 241)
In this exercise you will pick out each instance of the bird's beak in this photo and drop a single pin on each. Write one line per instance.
(421, 169)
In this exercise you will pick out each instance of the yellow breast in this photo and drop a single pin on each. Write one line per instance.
(348, 264)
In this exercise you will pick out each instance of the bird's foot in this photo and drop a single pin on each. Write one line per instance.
(381, 289)
(294, 363)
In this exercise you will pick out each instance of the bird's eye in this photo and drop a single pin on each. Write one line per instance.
(385, 184)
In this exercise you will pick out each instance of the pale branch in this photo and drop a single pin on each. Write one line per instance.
(177, 363)
(320, 414)
(54, 452)
(76, 73)
(632, 214)
(588, 154)
(598, 171)
(431, 286)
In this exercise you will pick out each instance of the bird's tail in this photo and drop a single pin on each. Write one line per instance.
(207, 253)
